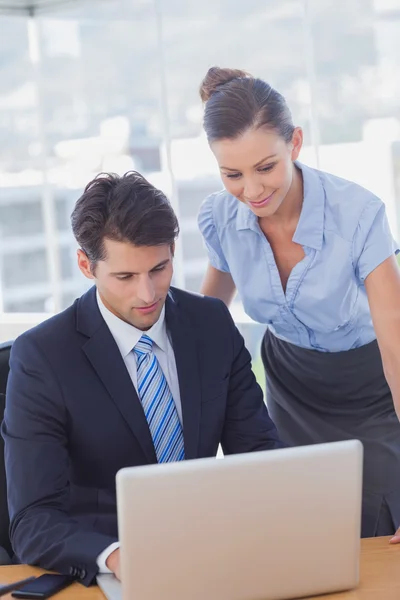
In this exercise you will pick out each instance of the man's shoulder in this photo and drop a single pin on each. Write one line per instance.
(208, 318)
(203, 311)
(51, 332)
(196, 300)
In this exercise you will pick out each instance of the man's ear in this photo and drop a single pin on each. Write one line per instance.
(85, 265)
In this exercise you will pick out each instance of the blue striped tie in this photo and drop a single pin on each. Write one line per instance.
(158, 404)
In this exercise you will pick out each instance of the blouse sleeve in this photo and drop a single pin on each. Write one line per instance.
(211, 239)
(373, 242)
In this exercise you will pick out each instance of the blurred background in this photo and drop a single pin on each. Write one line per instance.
(112, 85)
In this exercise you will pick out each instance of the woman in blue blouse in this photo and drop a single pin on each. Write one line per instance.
(312, 257)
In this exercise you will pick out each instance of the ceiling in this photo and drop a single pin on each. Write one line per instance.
(24, 7)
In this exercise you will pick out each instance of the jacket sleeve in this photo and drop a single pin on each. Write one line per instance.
(248, 426)
(35, 425)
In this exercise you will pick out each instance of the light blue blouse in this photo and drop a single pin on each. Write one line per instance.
(345, 234)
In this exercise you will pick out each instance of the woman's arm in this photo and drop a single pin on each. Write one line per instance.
(383, 290)
(218, 284)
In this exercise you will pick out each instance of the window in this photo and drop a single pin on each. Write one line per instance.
(19, 217)
(118, 90)
(23, 268)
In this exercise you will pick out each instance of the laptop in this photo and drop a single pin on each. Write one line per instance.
(268, 525)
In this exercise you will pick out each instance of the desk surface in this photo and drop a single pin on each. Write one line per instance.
(379, 576)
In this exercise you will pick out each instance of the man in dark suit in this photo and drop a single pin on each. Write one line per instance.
(134, 372)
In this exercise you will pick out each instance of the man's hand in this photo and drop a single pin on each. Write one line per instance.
(113, 563)
(396, 538)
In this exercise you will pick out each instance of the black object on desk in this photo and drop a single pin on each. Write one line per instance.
(10, 587)
(44, 586)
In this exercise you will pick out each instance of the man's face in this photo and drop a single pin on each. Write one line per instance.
(133, 281)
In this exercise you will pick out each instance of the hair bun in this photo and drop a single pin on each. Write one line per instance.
(216, 77)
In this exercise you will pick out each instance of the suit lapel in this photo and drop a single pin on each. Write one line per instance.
(105, 357)
(185, 349)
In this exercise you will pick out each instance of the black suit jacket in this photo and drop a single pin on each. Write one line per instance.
(73, 419)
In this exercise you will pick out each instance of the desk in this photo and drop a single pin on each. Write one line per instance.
(380, 576)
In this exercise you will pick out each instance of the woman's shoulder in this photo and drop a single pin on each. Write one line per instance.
(218, 209)
(338, 190)
(347, 204)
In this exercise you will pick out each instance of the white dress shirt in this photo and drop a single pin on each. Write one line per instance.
(126, 337)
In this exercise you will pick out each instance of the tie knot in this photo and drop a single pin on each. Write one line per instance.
(144, 345)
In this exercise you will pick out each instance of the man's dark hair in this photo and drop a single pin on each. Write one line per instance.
(123, 209)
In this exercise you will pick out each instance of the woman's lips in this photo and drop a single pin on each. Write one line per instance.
(262, 202)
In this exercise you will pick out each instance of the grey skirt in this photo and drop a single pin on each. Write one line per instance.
(315, 397)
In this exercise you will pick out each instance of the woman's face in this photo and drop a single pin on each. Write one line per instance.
(257, 167)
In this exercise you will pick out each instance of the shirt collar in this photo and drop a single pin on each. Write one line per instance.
(310, 228)
(127, 336)
(245, 218)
